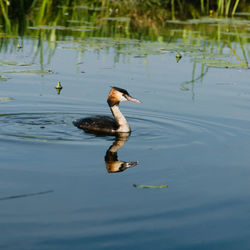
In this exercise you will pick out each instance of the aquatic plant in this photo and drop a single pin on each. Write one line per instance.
(126, 27)
(147, 13)
(150, 186)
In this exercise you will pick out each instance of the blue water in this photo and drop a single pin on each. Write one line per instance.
(196, 141)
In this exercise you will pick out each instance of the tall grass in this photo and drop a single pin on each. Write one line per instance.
(137, 10)
(224, 7)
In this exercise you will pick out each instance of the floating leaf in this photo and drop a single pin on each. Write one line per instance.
(150, 186)
(25, 64)
(38, 72)
(3, 79)
(219, 63)
(4, 99)
(8, 63)
(70, 47)
(13, 63)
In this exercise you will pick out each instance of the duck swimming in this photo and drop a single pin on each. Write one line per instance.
(106, 124)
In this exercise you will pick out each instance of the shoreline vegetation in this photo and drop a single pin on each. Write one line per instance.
(17, 15)
(213, 33)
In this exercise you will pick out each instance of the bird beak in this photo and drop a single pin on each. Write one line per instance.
(130, 164)
(131, 99)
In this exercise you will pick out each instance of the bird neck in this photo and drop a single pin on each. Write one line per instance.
(121, 121)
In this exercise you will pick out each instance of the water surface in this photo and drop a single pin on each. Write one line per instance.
(191, 133)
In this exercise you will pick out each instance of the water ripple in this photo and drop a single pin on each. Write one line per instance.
(147, 128)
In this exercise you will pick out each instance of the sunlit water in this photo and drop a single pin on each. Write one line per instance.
(196, 141)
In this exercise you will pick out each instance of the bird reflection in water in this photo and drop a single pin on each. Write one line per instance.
(114, 165)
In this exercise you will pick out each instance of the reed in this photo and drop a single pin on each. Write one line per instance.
(139, 11)
(145, 17)
(4, 12)
(202, 7)
(172, 10)
(235, 7)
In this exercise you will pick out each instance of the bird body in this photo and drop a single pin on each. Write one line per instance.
(106, 124)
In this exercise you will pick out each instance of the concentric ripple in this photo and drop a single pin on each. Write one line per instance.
(174, 130)
(42, 127)
(163, 130)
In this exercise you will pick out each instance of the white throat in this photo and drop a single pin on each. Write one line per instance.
(121, 121)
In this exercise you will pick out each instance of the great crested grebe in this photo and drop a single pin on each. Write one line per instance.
(106, 124)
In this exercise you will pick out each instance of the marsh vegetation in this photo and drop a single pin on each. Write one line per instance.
(188, 61)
